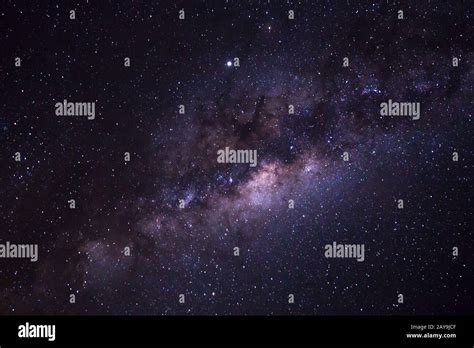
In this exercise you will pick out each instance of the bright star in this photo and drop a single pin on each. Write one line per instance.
(229, 63)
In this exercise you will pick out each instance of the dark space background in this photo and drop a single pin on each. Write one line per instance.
(190, 251)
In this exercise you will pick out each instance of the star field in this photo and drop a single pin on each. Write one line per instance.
(189, 250)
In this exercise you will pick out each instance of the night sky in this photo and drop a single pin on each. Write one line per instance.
(173, 156)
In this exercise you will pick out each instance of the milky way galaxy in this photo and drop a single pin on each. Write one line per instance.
(230, 237)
